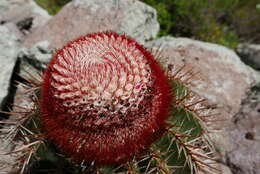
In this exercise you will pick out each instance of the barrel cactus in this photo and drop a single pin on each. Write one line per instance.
(105, 105)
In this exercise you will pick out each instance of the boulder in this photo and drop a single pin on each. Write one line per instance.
(38, 55)
(9, 46)
(25, 14)
(80, 17)
(250, 54)
(14, 30)
(244, 134)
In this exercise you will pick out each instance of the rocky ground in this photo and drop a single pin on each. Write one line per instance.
(30, 35)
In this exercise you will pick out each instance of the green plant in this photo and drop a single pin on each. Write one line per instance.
(224, 22)
(52, 6)
(161, 127)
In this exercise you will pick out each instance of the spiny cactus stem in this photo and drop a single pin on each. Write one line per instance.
(162, 163)
(189, 106)
(176, 74)
(191, 151)
(180, 100)
(28, 152)
(10, 113)
(31, 139)
(181, 74)
(185, 74)
(132, 167)
(32, 79)
(202, 166)
(177, 134)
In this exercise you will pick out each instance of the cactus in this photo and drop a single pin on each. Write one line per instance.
(104, 105)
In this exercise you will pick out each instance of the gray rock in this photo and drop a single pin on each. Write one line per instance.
(250, 54)
(38, 55)
(80, 17)
(9, 46)
(244, 134)
(14, 29)
(25, 14)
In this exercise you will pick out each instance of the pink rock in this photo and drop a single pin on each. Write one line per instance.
(244, 133)
(222, 79)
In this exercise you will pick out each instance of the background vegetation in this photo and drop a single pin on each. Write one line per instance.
(52, 6)
(225, 22)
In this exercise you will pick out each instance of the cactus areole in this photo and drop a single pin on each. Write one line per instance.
(104, 98)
